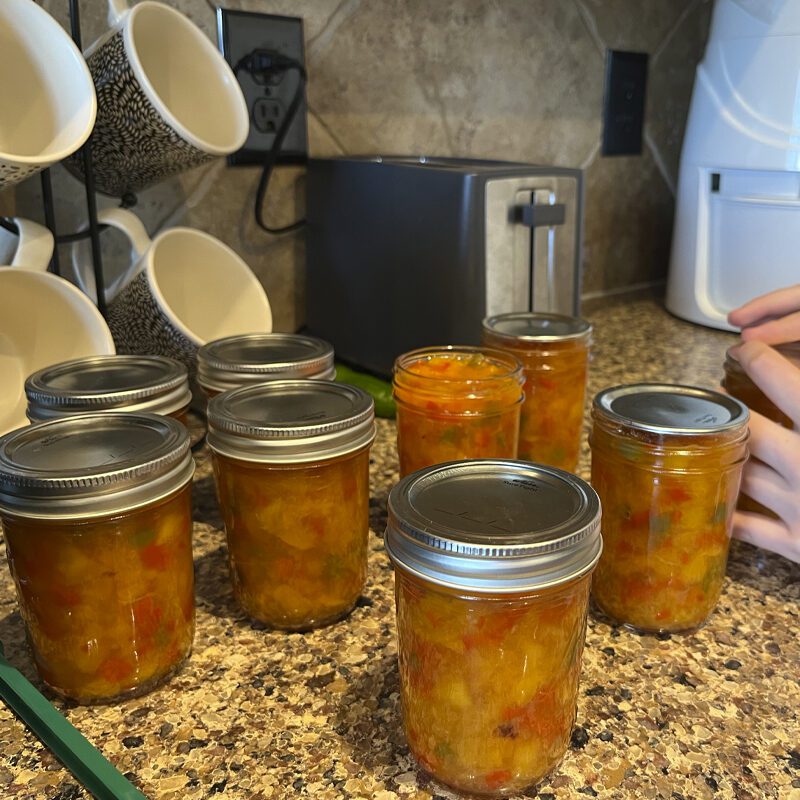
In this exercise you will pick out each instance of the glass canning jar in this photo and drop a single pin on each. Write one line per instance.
(154, 384)
(456, 403)
(493, 563)
(666, 461)
(738, 384)
(96, 514)
(291, 462)
(258, 357)
(554, 352)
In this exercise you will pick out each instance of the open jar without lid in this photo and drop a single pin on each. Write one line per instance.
(291, 462)
(554, 352)
(258, 357)
(456, 403)
(152, 384)
(96, 514)
(667, 463)
(493, 561)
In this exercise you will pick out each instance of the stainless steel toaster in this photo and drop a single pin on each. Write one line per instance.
(404, 251)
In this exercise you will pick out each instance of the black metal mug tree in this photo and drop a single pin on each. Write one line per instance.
(258, 61)
(93, 232)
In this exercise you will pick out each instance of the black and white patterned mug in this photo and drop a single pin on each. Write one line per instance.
(167, 100)
(184, 288)
(47, 103)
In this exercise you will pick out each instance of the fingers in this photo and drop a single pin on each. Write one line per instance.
(768, 533)
(765, 486)
(775, 375)
(773, 304)
(775, 446)
(775, 331)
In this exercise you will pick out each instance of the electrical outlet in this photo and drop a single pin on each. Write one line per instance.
(623, 105)
(240, 33)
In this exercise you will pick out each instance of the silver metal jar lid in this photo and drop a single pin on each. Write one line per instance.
(102, 383)
(494, 526)
(257, 357)
(92, 465)
(539, 327)
(671, 408)
(291, 421)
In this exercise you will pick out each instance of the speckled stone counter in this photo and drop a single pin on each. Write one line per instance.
(258, 714)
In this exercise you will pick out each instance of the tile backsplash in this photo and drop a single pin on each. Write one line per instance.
(513, 79)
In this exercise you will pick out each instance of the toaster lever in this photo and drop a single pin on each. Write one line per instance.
(542, 215)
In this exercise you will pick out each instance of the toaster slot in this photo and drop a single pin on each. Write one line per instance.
(541, 215)
(532, 244)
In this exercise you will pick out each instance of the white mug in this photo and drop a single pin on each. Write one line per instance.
(48, 102)
(167, 99)
(44, 320)
(31, 248)
(184, 288)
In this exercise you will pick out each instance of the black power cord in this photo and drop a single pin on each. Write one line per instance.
(262, 65)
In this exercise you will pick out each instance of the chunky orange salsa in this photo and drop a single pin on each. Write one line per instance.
(108, 603)
(456, 403)
(667, 510)
(489, 682)
(555, 392)
(297, 536)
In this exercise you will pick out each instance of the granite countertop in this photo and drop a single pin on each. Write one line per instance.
(259, 714)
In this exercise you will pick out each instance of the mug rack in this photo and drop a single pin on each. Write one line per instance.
(91, 201)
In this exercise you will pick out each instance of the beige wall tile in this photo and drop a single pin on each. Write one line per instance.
(671, 82)
(634, 24)
(628, 223)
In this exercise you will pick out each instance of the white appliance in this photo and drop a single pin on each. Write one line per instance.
(737, 217)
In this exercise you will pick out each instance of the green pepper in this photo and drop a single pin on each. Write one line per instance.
(381, 391)
(451, 435)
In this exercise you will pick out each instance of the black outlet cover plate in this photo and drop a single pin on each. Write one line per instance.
(241, 32)
(624, 102)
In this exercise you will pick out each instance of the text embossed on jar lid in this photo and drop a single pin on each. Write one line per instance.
(290, 421)
(92, 464)
(671, 408)
(494, 525)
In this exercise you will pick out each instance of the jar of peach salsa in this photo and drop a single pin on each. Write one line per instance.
(153, 384)
(493, 563)
(666, 461)
(554, 352)
(456, 403)
(258, 357)
(96, 514)
(291, 462)
(738, 384)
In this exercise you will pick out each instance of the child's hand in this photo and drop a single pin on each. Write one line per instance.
(772, 476)
(773, 318)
